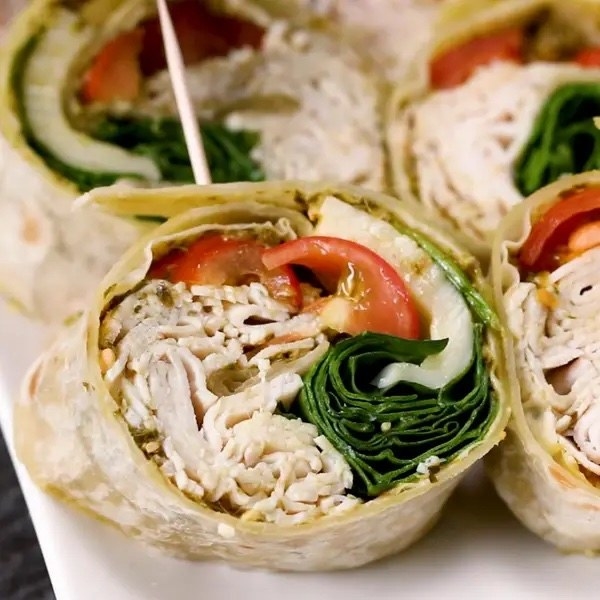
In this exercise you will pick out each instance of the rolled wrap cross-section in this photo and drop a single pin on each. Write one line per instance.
(546, 282)
(255, 384)
(503, 107)
(86, 101)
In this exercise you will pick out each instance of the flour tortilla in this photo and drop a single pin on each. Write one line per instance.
(77, 447)
(459, 21)
(550, 497)
(50, 258)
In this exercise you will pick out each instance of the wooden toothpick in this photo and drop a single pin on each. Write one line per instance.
(189, 121)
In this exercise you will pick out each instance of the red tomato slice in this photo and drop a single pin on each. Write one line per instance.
(588, 57)
(217, 260)
(455, 66)
(376, 299)
(552, 230)
(115, 72)
(200, 33)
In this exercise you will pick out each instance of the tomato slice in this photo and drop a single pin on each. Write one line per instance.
(201, 35)
(588, 57)
(369, 293)
(552, 230)
(218, 260)
(115, 72)
(455, 66)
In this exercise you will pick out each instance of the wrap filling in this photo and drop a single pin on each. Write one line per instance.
(552, 311)
(283, 375)
(95, 100)
(510, 111)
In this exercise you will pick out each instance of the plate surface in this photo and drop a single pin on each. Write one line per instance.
(477, 551)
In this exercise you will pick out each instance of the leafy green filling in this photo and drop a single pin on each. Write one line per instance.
(228, 153)
(385, 434)
(564, 139)
(162, 140)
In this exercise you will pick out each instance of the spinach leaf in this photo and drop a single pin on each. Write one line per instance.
(564, 139)
(162, 140)
(384, 434)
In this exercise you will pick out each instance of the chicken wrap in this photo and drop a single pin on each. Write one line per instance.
(86, 101)
(545, 278)
(503, 108)
(255, 383)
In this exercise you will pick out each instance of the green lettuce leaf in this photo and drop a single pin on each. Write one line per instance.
(564, 139)
(386, 434)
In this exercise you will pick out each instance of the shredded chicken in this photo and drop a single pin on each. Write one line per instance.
(559, 358)
(316, 112)
(204, 370)
(394, 33)
(461, 144)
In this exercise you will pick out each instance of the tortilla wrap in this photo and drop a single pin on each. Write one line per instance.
(161, 476)
(472, 150)
(298, 106)
(546, 470)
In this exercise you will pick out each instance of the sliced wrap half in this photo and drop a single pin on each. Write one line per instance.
(86, 101)
(254, 383)
(504, 107)
(546, 282)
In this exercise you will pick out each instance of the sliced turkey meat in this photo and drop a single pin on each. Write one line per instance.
(459, 146)
(556, 327)
(201, 372)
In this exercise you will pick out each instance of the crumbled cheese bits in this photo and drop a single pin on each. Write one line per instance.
(508, 92)
(219, 401)
(545, 275)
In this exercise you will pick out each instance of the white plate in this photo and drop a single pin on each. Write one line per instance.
(477, 551)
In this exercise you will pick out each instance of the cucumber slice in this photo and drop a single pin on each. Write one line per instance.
(44, 79)
(448, 312)
(452, 320)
